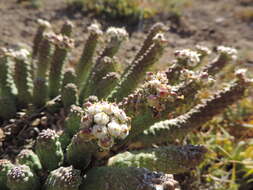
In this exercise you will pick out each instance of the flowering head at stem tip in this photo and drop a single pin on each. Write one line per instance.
(188, 57)
(229, 52)
(117, 33)
(95, 28)
(104, 121)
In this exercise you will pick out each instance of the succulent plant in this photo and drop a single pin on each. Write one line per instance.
(29, 158)
(65, 178)
(95, 127)
(21, 177)
(5, 167)
(48, 149)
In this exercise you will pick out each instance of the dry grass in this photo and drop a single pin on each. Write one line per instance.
(245, 14)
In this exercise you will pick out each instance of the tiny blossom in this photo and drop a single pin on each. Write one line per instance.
(124, 131)
(6, 51)
(119, 33)
(21, 54)
(108, 108)
(156, 90)
(191, 57)
(44, 23)
(95, 28)
(203, 50)
(241, 73)
(114, 129)
(231, 52)
(200, 77)
(101, 118)
(159, 38)
(99, 131)
(63, 41)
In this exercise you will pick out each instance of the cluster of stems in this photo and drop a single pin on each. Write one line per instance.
(111, 122)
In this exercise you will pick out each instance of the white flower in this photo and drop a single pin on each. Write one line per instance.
(99, 131)
(94, 109)
(44, 23)
(188, 74)
(21, 54)
(119, 33)
(192, 57)
(120, 114)
(101, 118)
(231, 52)
(124, 131)
(95, 28)
(154, 83)
(114, 129)
(107, 108)
(241, 72)
(203, 49)
(159, 37)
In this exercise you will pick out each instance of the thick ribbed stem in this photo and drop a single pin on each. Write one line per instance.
(69, 76)
(59, 58)
(80, 150)
(23, 81)
(22, 178)
(85, 65)
(67, 28)
(5, 167)
(156, 28)
(110, 178)
(48, 149)
(7, 88)
(137, 71)
(63, 178)
(43, 25)
(100, 70)
(108, 82)
(40, 90)
(69, 95)
(170, 159)
(29, 158)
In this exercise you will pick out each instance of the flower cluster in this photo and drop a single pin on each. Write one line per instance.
(203, 50)
(117, 33)
(157, 90)
(241, 73)
(200, 77)
(160, 38)
(188, 57)
(6, 51)
(95, 29)
(44, 23)
(62, 41)
(228, 51)
(47, 135)
(65, 176)
(18, 172)
(105, 122)
(21, 54)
